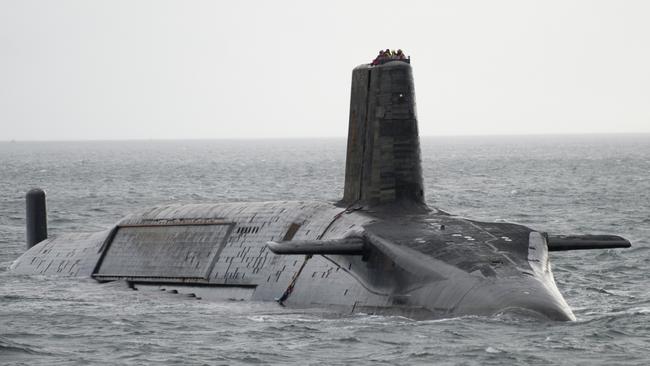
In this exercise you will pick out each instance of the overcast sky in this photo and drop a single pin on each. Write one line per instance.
(233, 69)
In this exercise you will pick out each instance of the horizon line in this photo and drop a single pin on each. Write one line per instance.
(330, 137)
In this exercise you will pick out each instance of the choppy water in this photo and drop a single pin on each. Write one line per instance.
(576, 184)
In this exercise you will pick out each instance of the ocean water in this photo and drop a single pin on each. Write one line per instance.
(559, 184)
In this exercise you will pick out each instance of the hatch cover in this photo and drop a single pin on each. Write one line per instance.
(184, 251)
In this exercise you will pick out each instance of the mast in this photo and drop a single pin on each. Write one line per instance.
(383, 157)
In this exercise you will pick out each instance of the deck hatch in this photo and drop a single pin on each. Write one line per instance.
(179, 251)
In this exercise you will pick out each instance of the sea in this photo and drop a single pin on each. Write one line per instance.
(559, 184)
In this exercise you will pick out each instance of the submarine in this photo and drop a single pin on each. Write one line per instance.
(379, 250)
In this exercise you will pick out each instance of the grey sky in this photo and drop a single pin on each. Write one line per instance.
(230, 69)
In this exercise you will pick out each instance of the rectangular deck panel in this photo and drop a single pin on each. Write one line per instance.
(163, 251)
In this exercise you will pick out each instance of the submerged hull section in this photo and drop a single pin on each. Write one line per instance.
(424, 265)
(74, 255)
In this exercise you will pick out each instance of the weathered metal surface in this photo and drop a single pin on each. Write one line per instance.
(383, 161)
(66, 255)
(179, 251)
(356, 134)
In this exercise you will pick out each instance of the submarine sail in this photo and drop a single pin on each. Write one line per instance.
(383, 159)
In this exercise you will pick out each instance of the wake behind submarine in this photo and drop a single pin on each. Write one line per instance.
(379, 250)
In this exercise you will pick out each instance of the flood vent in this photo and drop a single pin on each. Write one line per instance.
(247, 230)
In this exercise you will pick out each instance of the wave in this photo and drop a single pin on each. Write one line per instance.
(8, 346)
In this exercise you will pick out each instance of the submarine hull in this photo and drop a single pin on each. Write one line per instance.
(220, 252)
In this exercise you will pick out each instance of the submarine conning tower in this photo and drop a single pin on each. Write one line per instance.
(383, 157)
